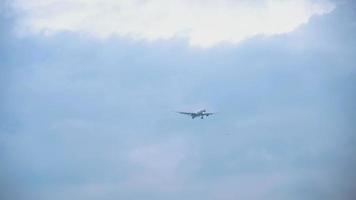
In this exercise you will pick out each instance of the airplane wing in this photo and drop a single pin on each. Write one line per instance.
(185, 113)
(207, 114)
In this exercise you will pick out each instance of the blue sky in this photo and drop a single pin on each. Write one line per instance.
(87, 110)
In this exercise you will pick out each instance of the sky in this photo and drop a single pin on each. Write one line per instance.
(89, 91)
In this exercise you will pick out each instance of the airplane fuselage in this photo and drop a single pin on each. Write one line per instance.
(200, 114)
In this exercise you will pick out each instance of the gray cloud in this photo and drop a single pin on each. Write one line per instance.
(94, 120)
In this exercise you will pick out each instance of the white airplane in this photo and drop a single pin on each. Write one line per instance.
(200, 114)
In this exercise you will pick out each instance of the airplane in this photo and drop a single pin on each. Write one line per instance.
(200, 113)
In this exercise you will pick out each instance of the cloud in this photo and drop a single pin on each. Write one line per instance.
(161, 166)
(202, 23)
(83, 119)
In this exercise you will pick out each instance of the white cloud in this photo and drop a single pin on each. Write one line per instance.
(202, 22)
